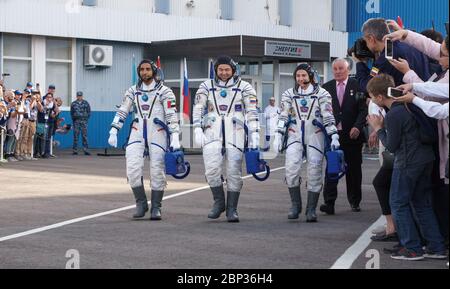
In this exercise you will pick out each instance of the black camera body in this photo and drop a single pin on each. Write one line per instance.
(361, 50)
(361, 96)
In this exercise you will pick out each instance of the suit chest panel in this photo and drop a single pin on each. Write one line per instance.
(225, 100)
(305, 107)
(145, 102)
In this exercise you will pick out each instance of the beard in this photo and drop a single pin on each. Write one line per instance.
(147, 78)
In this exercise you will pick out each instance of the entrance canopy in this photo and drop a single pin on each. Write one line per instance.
(243, 47)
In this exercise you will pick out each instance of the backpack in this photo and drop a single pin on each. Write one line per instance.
(428, 132)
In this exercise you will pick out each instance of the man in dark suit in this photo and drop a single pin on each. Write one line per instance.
(350, 112)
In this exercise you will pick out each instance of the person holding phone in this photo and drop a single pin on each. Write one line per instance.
(439, 52)
(433, 49)
(374, 32)
(411, 177)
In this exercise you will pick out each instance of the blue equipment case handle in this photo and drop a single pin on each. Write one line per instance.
(328, 150)
(249, 152)
(187, 165)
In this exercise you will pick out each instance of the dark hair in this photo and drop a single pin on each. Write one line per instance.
(49, 94)
(433, 35)
(376, 27)
(379, 85)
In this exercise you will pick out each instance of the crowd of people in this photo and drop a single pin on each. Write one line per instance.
(29, 122)
(399, 96)
(411, 128)
(400, 93)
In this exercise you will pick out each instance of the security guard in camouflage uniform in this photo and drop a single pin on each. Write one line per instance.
(80, 111)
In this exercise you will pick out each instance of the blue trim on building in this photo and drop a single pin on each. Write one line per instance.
(416, 14)
(98, 131)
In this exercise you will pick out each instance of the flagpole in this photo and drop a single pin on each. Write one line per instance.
(186, 100)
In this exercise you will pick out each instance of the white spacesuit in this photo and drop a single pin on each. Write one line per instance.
(299, 107)
(221, 106)
(149, 99)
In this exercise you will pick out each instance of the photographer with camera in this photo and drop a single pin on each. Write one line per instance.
(28, 127)
(371, 48)
(12, 101)
(350, 112)
(47, 111)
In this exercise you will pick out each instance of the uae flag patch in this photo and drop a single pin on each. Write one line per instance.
(171, 104)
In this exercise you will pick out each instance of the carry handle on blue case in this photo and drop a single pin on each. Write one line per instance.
(336, 166)
(174, 160)
(253, 161)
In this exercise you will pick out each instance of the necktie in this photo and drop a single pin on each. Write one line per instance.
(340, 93)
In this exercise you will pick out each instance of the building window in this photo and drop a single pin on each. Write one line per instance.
(268, 91)
(162, 6)
(287, 68)
(198, 72)
(59, 67)
(319, 68)
(285, 11)
(198, 69)
(268, 84)
(17, 60)
(252, 69)
(267, 72)
(226, 9)
(171, 69)
(90, 2)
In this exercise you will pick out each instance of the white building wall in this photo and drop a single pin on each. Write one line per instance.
(312, 14)
(140, 26)
(202, 8)
(127, 5)
(255, 11)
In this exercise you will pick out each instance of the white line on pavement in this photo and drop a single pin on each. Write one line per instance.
(81, 219)
(352, 253)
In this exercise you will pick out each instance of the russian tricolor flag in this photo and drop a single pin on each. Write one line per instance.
(186, 96)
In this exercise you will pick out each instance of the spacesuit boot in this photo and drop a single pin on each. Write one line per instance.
(296, 200)
(232, 202)
(311, 216)
(156, 205)
(219, 202)
(141, 202)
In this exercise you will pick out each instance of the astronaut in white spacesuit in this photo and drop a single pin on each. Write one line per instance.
(149, 99)
(297, 134)
(222, 105)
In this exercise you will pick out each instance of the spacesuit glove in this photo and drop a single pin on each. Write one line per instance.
(113, 137)
(255, 140)
(199, 137)
(175, 143)
(335, 142)
(277, 142)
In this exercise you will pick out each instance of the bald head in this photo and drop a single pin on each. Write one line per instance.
(341, 69)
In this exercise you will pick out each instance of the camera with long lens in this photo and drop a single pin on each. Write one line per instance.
(361, 50)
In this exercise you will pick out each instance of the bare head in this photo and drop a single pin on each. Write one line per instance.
(341, 69)
(374, 31)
